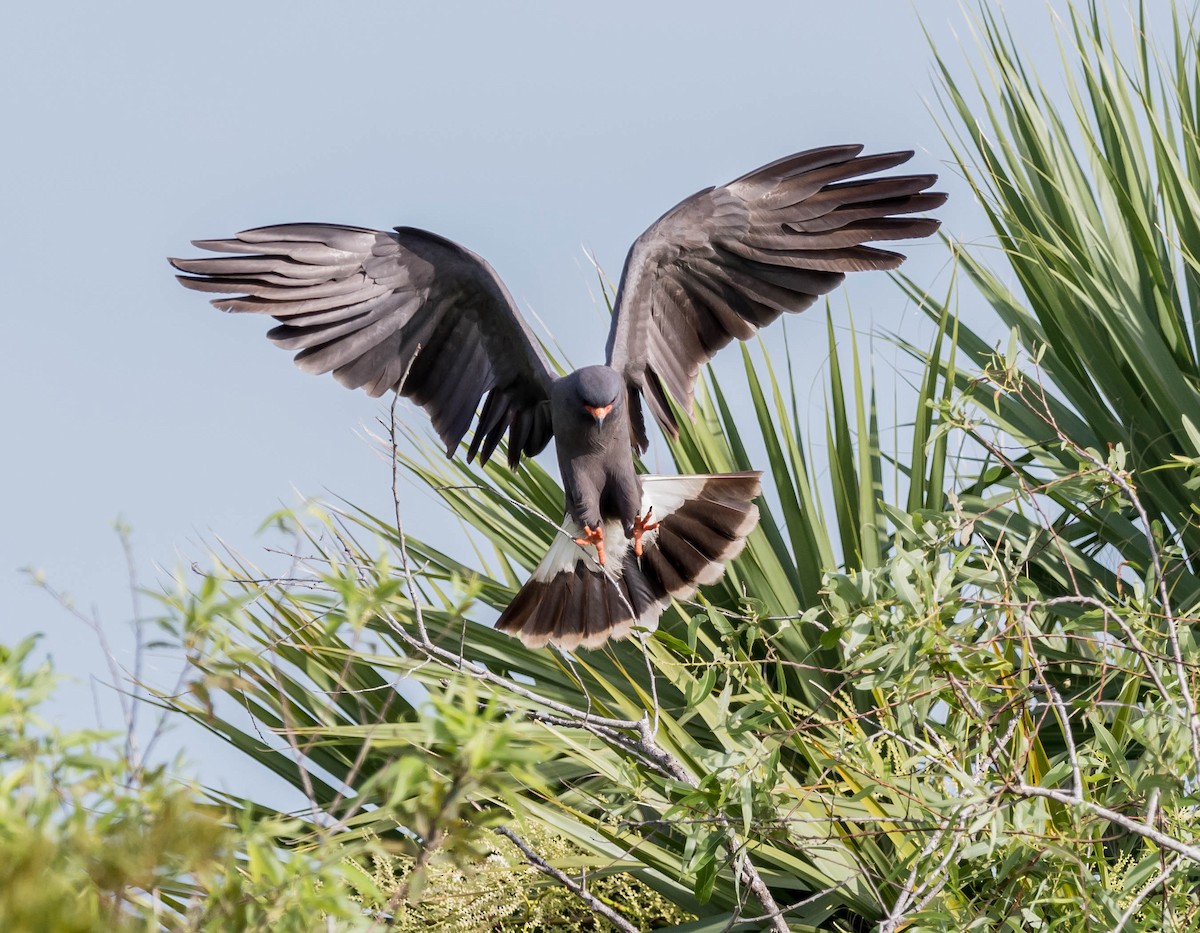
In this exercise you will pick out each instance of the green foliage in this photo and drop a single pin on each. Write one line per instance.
(1094, 206)
(940, 736)
(936, 691)
(500, 891)
(949, 686)
(92, 844)
(78, 845)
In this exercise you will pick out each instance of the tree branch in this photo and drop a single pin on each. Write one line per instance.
(567, 882)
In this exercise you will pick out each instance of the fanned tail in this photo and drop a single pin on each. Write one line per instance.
(572, 602)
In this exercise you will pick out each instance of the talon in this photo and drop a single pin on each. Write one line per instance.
(641, 526)
(593, 536)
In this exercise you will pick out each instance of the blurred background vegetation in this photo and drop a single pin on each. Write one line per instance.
(949, 685)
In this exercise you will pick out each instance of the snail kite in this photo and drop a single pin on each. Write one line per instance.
(410, 311)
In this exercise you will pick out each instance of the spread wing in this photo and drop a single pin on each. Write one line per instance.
(730, 260)
(406, 310)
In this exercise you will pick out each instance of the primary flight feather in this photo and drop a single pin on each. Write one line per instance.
(413, 312)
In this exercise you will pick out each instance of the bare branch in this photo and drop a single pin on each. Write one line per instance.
(1140, 897)
(1117, 819)
(937, 875)
(567, 882)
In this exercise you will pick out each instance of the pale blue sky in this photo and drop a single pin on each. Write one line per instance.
(524, 131)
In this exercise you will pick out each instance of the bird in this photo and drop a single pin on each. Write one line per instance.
(410, 311)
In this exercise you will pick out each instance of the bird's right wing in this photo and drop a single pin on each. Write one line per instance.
(407, 310)
(729, 260)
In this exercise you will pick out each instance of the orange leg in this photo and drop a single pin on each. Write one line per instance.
(641, 526)
(594, 536)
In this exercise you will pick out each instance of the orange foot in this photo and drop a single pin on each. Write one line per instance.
(640, 527)
(593, 536)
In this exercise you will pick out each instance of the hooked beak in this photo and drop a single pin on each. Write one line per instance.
(598, 413)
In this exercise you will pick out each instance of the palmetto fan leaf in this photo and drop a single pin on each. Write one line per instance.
(1094, 205)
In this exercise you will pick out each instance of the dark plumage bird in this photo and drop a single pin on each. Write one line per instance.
(413, 312)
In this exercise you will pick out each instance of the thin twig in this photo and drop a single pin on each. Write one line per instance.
(567, 882)
(937, 875)
(139, 649)
(1146, 891)
(653, 682)
(1117, 819)
(406, 566)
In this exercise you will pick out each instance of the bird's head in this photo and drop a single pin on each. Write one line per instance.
(600, 392)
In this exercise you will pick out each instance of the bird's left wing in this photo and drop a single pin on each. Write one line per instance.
(729, 260)
(407, 310)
